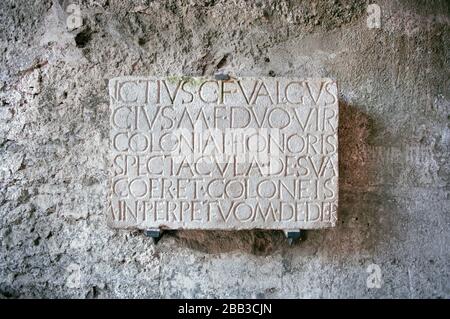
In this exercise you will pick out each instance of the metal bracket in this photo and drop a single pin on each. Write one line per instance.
(221, 76)
(293, 235)
(154, 233)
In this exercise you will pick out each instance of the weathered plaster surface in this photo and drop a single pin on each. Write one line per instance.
(394, 143)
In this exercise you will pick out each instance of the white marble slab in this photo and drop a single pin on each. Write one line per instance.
(244, 153)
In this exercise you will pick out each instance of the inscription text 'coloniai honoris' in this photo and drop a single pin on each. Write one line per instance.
(243, 153)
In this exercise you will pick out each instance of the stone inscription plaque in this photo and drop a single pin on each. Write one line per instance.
(242, 153)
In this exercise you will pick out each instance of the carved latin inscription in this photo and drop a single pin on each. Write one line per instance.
(199, 153)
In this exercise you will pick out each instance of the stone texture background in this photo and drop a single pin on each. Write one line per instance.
(394, 147)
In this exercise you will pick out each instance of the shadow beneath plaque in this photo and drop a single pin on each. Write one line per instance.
(257, 242)
(354, 133)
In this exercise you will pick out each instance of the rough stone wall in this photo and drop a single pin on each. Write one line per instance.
(394, 147)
